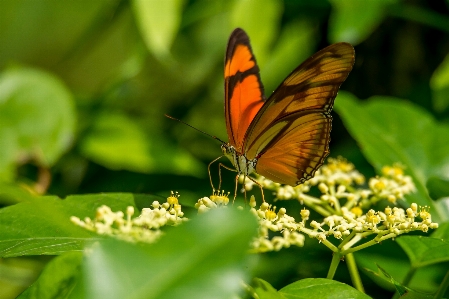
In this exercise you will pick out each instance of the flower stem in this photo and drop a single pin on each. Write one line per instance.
(334, 264)
(354, 272)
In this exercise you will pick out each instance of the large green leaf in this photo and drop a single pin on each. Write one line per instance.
(261, 24)
(42, 225)
(58, 279)
(423, 251)
(439, 83)
(158, 22)
(353, 20)
(37, 118)
(116, 142)
(203, 258)
(295, 44)
(391, 131)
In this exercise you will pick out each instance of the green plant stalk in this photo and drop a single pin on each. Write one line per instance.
(346, 240)
(334, 264)
(354, 272)
(408, 277)
(443, 287)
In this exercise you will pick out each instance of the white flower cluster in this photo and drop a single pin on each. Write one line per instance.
(217, 199)
(342, 203)
(390, 223)
(282, 226)
(144, 228)
(340, 184)
(392, 185)
(269, 221)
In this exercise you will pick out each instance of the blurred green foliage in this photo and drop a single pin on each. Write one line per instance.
(84, 86)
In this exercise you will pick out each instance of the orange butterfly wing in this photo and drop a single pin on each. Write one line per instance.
(243, 88)
(290, 134)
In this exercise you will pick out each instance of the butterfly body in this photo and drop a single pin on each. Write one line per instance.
(285, 137)
(242, 164)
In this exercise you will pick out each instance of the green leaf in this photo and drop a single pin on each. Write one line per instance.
(439, 83)
(37, 118)
(116, 142)
(318, 288)
(158, 22)
(294, 45)
(264, 290)
(43, 226)
(8, 152)
(392, 131)
(403, 291)
(58, 278)
(390, 257)
(442, 232)
(437, 187)
(203, 258)
(12, 193)
(353, 20)
(424, 251)
(261, 24)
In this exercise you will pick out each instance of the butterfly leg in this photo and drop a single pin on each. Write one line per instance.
(219, 172)
(258, 184)
(236, 187)
(210, 176)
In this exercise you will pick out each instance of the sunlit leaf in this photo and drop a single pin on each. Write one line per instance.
(353, 21)
(294, 45)
(261, 24)
(158, 22)
(37, 118)
(43, 226)
(116, 142)
(439, 83)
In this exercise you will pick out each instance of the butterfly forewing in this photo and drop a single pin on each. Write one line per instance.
(290, 134)
(243, 88)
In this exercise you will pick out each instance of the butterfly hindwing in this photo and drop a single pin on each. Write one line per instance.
(298, 148)
(243, 88)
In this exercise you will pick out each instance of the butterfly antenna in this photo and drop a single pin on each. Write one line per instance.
(215, 137)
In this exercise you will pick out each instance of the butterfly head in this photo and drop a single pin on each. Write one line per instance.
(228, 150)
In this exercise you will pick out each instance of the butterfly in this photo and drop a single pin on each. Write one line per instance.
(284, 138)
